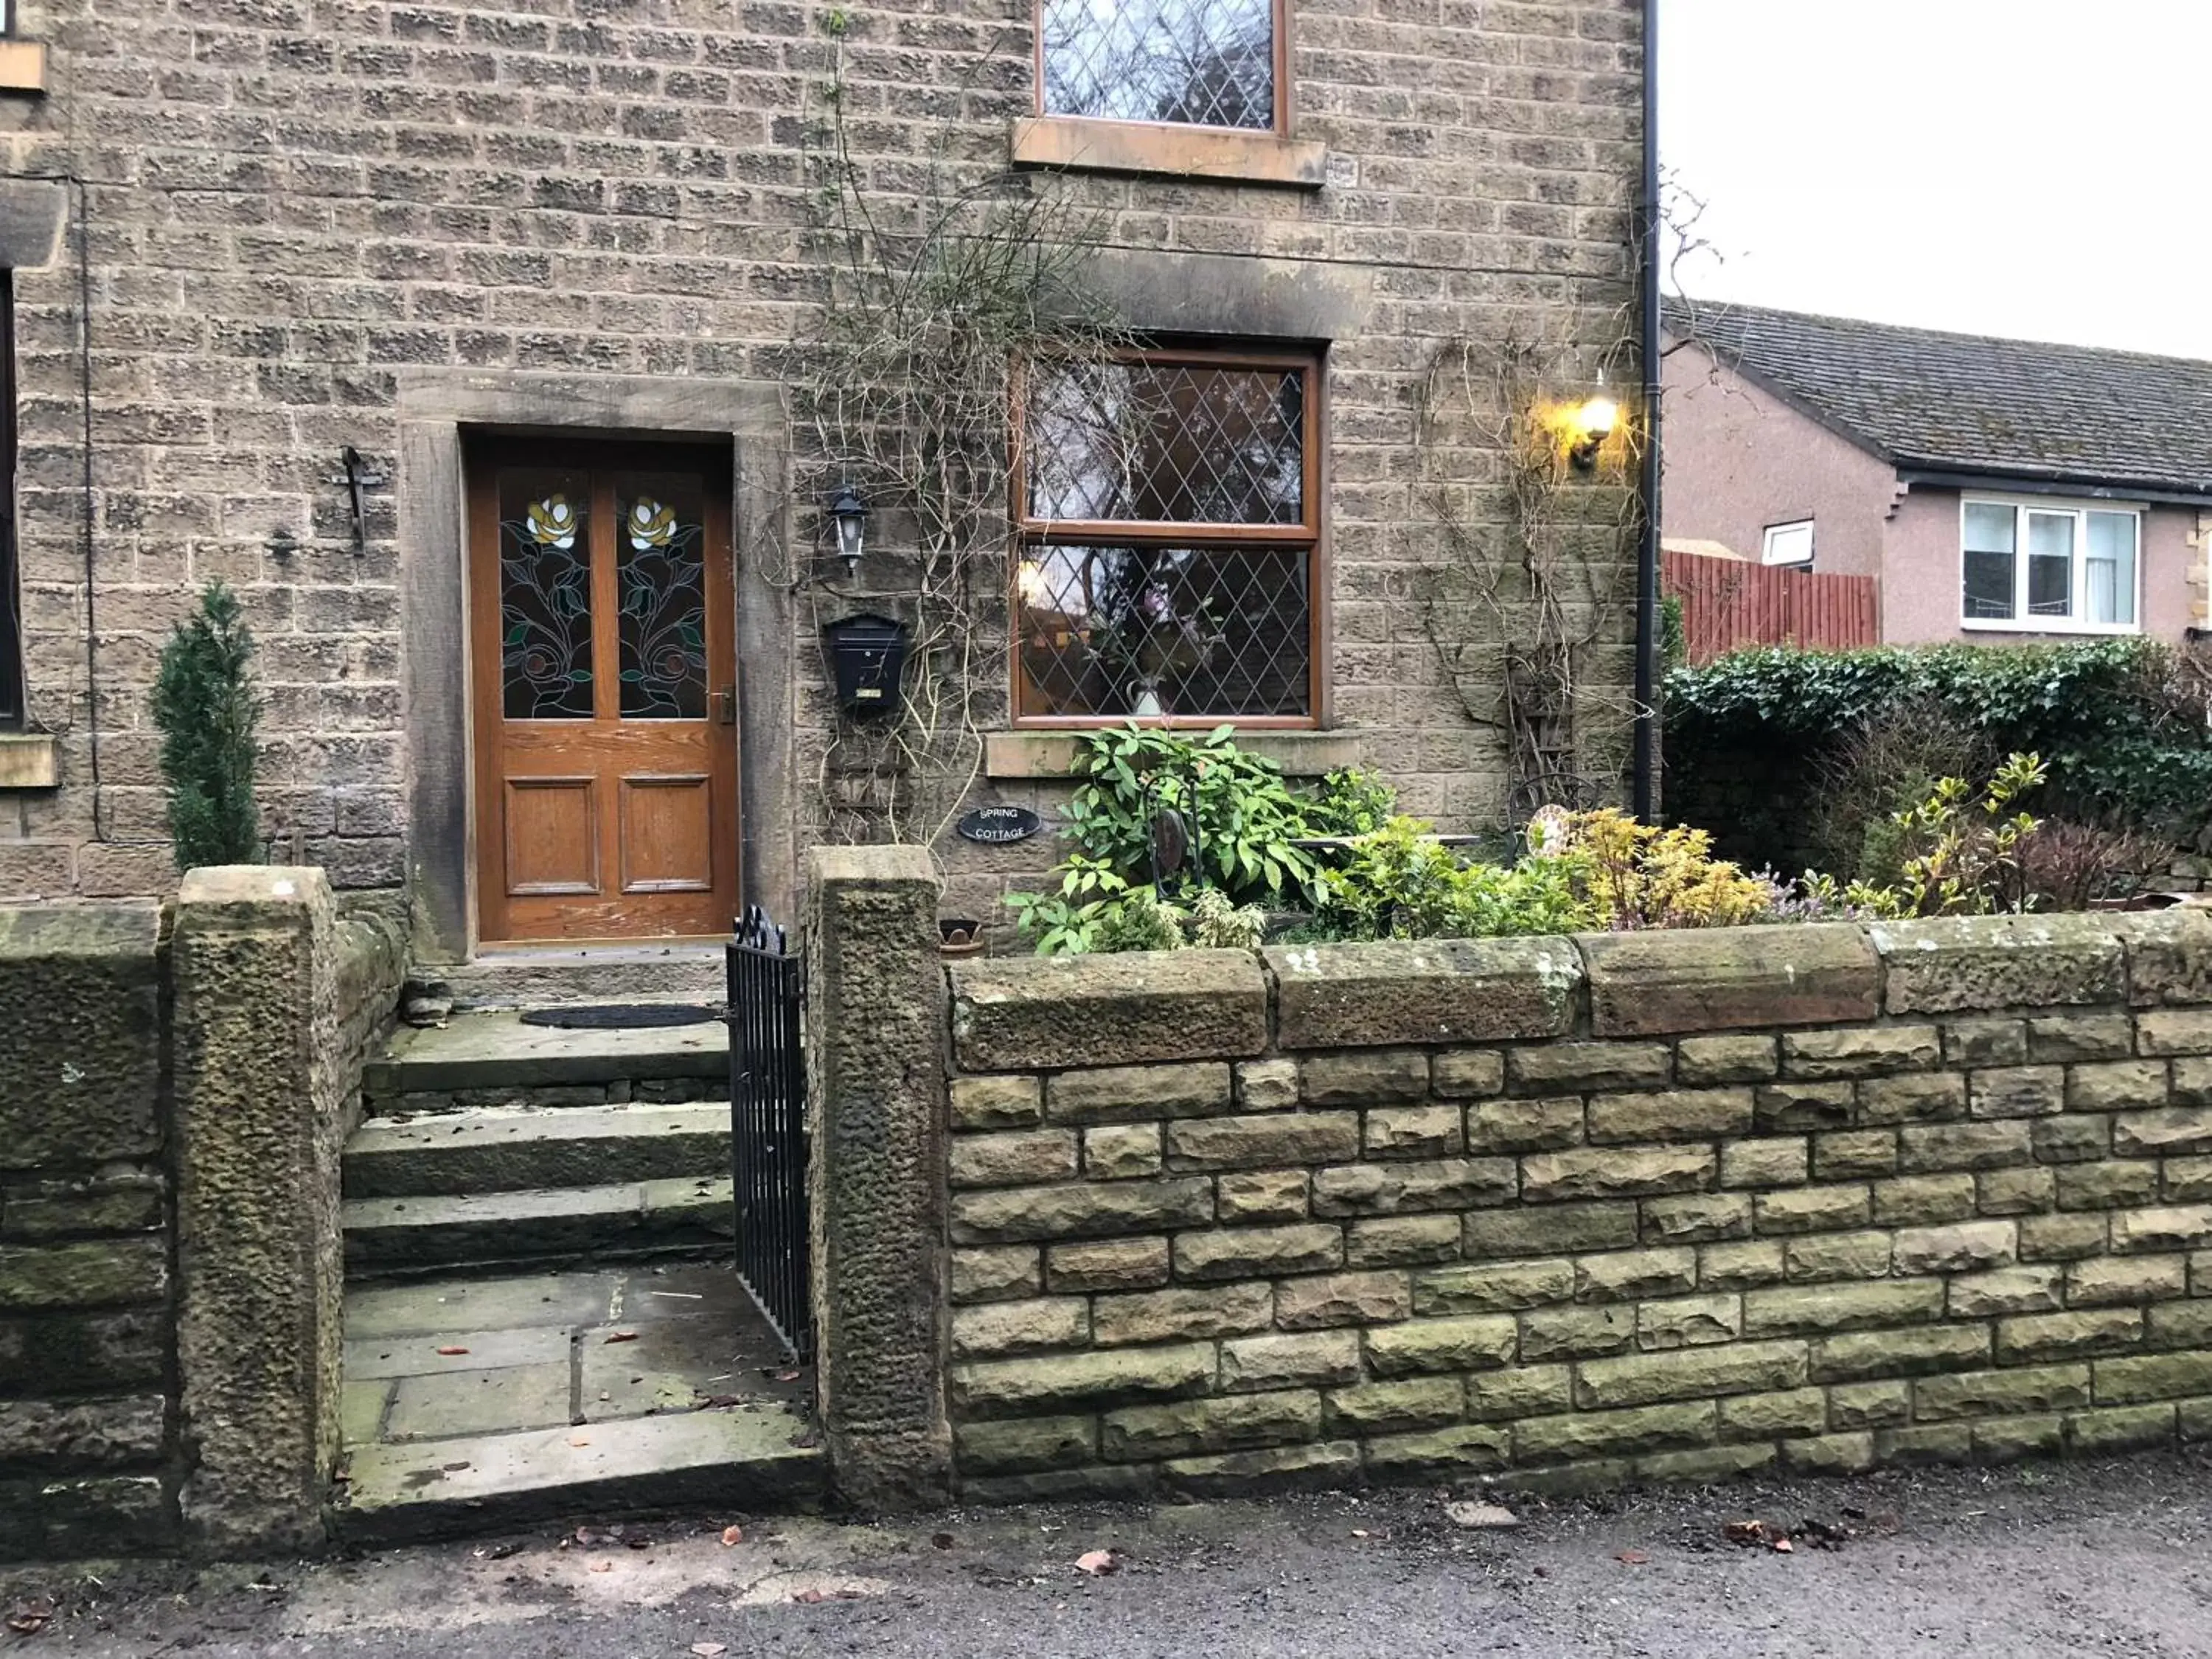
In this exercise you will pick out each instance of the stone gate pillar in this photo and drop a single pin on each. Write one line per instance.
(261, 1085)
(875, 1069)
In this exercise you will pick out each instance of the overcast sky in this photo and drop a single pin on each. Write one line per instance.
(2031, 167)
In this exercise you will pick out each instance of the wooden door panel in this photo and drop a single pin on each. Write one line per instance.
(668, 835)
(600, 634)
(550, 830)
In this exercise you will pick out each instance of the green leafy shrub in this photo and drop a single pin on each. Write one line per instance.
(1096, 910)
(1243, 819)
(1351, 802)
(1960, 852)
(2119, 723)
(207, 707)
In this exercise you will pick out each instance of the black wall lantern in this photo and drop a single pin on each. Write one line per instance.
(850, 514)
(866, 653)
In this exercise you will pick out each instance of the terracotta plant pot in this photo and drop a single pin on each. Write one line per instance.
(957, 937)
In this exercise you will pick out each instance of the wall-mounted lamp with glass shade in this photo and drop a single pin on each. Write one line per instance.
(1589, 425)
(850, 514)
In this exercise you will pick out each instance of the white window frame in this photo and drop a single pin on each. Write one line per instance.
(1766, 545)
(2020, 622)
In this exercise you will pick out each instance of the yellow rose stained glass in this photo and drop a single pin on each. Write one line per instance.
(662, 625)
(546, 610)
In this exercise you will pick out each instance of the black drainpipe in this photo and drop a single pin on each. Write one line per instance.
(1647, 551)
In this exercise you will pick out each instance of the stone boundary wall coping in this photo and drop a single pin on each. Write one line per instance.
(1041, 1015)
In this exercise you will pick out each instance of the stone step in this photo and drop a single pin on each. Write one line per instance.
(493, 1060)
(505, 1149)
(542, 976)
(540, 1225)
(715, 1462)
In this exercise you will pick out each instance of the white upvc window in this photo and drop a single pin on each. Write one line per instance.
(1788, 543)
(2041, 566)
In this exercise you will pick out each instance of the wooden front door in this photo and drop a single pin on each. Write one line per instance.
(603, 683)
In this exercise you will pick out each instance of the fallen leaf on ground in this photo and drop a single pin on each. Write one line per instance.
(1782, 1547)
(498, 1552)
(30, 1617)
(809, 1596)
(1359, 1532)
(450, 1352)
(1745, 1532)
(709, 1650)
(792, 1374)
(624, 1336)
(1633, 1558)
(602, 1566)
(1480, 1515)
(578, 1440)
(732, 1535)
(942, 1540)
(1097, 1562)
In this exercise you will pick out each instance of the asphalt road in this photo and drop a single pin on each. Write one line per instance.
(2108, 1558)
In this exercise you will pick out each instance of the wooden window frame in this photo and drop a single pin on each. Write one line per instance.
(1281, 71)
(1307, 535)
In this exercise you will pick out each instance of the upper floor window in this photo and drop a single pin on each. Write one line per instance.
(2045, 565)
(1171, 528)
(1788, 543)
(1192, 62)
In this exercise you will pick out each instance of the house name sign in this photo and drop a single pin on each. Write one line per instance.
(1000, 826)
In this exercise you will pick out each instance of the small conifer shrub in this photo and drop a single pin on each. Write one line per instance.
(207, 707)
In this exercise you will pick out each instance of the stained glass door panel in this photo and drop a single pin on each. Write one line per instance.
(605, 697)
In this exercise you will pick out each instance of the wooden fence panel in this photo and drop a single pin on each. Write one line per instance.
(1729, 603)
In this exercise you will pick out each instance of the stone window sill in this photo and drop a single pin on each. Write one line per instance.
(1082, 145)
(29, 760)
(22, 66)
(1052, 754)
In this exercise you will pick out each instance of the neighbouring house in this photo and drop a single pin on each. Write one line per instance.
(1997, 489)
(466, 343)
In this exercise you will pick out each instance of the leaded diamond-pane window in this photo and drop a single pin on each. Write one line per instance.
(1170, 528)
(1195, 63)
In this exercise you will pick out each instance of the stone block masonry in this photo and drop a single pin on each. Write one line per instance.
(88, 1453)
(301, 223)
(1570, 1213)
(172, 1089)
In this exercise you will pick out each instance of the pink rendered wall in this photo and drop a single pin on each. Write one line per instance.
(1920, 575)
(1737, 458)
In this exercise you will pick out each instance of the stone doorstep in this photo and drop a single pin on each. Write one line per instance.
(498, 1051)
(631, 973)
(719, 1461)
(512, 1149)
(634, 1218)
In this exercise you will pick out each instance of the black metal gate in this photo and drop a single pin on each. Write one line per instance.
(768, 1127)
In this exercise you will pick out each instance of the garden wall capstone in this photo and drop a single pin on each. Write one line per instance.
(1567, 1213)
(173, 1086)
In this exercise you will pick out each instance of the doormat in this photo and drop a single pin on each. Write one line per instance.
(622, 1016)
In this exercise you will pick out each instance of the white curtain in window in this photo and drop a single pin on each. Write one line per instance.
(2111, 569)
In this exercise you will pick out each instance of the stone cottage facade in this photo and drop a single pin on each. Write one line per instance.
(457, 339)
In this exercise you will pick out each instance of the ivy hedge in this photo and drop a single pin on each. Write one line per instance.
(2121, 724)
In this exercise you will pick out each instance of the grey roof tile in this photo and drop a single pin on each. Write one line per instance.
(1975, 404)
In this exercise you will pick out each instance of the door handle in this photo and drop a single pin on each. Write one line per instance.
(725, 706)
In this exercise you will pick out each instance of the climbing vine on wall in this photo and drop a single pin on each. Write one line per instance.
(1526, 580)
(946, 278)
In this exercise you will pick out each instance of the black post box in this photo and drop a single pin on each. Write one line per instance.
(866, 653)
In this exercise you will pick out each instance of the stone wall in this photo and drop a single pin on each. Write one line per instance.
(89, 1455)
(1572, 1213)
(173, 1086)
